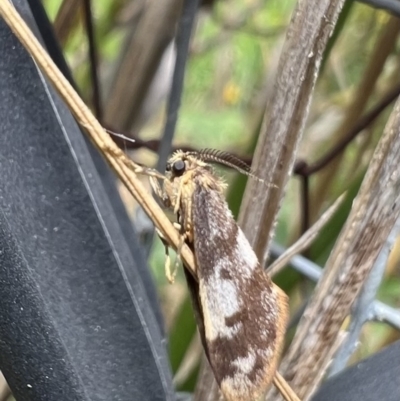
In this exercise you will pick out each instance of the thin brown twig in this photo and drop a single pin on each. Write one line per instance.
(306, 170)
(305, 202)
(383, 48)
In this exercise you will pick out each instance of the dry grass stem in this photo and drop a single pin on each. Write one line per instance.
(305, 240)
(285, 117)
(286, 391)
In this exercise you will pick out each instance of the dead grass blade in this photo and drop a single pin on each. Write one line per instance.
(305, 240)
(285, 117)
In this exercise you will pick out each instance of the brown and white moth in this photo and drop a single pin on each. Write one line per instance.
(241, 314)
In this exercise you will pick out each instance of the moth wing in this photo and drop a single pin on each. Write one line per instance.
(243, 312)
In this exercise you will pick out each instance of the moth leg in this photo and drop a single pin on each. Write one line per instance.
(178, 258)
(167, 267)
(171, 273)
(170, 277)
(156, 187)
(184, 181)
(178, 198)
(143, 170)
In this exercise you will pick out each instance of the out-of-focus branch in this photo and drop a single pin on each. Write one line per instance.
(155, 31)
(365, 121)
(67, 17)
(182, 46)
(93, 58)
(353, 112)
(305, 170)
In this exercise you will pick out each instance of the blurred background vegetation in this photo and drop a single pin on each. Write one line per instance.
(233, 58)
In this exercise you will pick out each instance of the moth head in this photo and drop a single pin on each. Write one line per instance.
(181, 162)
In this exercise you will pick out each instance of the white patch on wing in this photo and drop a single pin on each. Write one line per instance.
(229, 304)
(245, 364)
(245, 255)
(220, 299)
(239, 386)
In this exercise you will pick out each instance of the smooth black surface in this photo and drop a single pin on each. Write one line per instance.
(76, 322)
(374, 379)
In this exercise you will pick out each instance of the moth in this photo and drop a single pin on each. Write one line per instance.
(240, 313)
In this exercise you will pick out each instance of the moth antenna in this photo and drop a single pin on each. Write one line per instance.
(226, 159)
